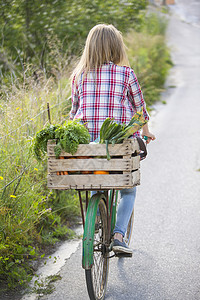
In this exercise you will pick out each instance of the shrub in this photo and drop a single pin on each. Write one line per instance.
(150, 57)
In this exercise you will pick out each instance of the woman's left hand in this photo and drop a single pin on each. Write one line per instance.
(150, 137)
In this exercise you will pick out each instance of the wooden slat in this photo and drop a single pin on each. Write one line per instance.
(135, 161)
(94, 150)
(89, 165)
(136, 177)
(93, 181)
(128, 147)
(93, 164)
(127, 157)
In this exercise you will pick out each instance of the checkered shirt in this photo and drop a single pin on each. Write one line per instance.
(114, 93)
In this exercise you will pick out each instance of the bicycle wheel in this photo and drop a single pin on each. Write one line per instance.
(96, 277)
(129, 231)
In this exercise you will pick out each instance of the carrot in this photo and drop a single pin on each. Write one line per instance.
(101, 172)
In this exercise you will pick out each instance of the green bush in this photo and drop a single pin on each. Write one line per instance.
(150, 57)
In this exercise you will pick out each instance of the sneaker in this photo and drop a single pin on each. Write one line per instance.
(121, 248)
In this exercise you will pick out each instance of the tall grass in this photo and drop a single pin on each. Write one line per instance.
(30, 214)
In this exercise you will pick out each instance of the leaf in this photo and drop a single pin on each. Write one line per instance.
(32, 252)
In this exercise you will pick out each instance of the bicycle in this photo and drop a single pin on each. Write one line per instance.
(97, 240)
(122, 171)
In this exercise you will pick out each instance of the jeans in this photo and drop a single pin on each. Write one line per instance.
(124, 210)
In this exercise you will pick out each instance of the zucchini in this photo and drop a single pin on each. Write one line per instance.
(104, 128)
(114, 133)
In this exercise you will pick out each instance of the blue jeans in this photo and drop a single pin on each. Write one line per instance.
(124, 210)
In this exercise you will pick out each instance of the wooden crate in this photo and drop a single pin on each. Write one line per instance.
(123, 167)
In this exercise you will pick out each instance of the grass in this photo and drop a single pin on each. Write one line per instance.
(30, 215)
(46, 287)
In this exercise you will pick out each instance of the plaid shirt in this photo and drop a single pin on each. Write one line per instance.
(114, 93)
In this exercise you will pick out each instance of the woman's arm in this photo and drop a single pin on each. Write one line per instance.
(136, 95)
(75, 101)
(138, 103)
(146, 132)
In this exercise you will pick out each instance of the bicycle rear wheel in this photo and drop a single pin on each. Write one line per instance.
(96, 277)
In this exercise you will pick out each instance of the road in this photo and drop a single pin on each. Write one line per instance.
(166, 240)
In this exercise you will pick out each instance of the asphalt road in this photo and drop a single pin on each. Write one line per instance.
(166, 240)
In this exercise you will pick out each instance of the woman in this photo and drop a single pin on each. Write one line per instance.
(103, 85)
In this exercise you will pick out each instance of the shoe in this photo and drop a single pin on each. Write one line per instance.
(121, 248)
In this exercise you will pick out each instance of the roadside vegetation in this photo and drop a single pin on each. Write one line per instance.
(31, 216)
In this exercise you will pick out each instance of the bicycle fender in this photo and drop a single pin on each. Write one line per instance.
(113, 218)
(89, 230)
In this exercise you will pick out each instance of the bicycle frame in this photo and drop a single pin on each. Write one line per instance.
(89, 222)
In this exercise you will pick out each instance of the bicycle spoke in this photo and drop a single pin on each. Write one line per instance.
(97, 276)
(98, 268)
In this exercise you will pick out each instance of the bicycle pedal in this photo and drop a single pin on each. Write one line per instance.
(123, 255)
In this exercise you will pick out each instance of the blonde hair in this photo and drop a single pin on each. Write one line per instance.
(104, 43)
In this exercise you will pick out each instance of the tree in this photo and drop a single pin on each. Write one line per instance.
(27, 26)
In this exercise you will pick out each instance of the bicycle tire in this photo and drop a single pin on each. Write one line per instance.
(129, 231)
(97, 276)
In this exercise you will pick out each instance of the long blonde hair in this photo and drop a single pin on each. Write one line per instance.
(104, 43)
